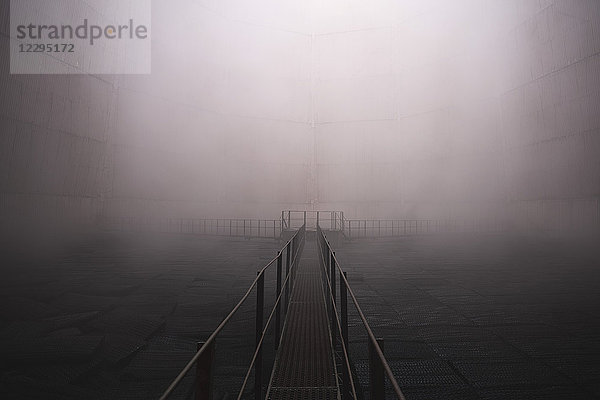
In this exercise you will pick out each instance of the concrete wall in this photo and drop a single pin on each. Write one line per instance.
(449, 107)
(53, 145)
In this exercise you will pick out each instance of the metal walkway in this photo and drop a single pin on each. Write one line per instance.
(304, 366)
(312, 359)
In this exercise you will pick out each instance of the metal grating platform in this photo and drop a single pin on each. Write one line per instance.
(304, 366)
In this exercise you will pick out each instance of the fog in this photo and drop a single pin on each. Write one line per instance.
(381, 109)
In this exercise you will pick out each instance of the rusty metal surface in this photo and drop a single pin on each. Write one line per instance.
(304, 366)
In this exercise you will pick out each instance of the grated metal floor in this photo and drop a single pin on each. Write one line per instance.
(304, 365)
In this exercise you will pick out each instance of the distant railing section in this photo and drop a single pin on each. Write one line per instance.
(371, 228)
(293, 220)
(337, 311)
(247, 228)
(328, 220)
(203, 361)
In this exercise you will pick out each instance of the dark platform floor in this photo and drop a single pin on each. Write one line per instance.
(465, 318)
(116, 317)
(481, 318)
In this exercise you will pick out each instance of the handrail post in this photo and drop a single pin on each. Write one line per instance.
(327, 261)
(327, 277)
(204, 372)
(260, 300)
(294, 261)
(333, 316)
(278, 311)
(376, 372)
(344, 301)
(344, 318)
(287, 273)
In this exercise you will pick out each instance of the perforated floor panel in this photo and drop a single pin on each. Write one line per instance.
(304, 365)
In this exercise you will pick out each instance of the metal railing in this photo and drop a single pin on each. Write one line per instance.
(372, 228)
(204, 357)
(293, 220)
(378, 365)
(234, 227)
(330, 220)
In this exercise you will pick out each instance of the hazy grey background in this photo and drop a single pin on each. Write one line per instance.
(381, 109)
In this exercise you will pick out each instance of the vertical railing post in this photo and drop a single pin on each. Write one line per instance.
(317, 218)
(204, 372)
(327, 260)
(293, 262)
(278, 310)
(287, 273)
(332, 266)
(333, 290)
(344, 322)
(260, 301)
(376, 372)
(304, 218)
(344, 306)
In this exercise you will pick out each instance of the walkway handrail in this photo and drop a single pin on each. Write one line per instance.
(331, 302)
(328, 256)
(296, 248)
(288, 279)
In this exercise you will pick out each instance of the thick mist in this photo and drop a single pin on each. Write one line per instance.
(386, 109)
